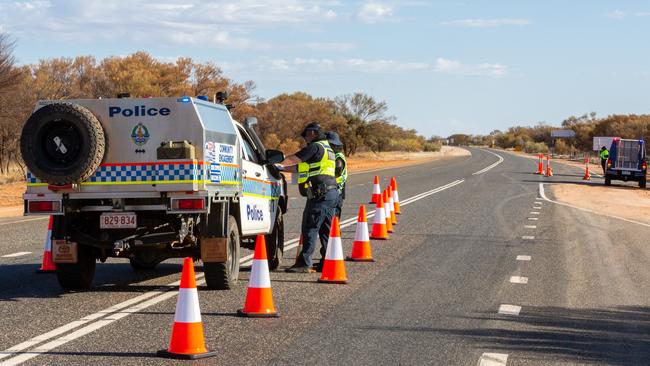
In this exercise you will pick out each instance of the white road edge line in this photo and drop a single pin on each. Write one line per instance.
(509, 309)
(543, 194)
(13, 255)
(25, 220)
(519, 280)
(490, 166)
(122, 309)
(493, 359)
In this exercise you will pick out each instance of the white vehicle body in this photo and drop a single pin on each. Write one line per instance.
(227, 167)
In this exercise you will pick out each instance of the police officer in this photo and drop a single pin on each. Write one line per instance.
(315, 165)
(604, 155)
(341, 171)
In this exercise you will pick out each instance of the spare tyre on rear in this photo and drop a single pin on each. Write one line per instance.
(62, 143)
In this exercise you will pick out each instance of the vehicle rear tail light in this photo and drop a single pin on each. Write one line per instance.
(644, 165)
(44, 206)
(609, 163)
(190, 204)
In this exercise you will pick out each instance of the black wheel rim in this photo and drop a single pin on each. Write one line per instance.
(61, 143)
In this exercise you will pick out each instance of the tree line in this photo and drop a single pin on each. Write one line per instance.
(538, 139)
(362, 121)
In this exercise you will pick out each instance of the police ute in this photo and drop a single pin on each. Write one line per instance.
(151, 179)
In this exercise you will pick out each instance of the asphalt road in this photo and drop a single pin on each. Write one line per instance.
(469, 277)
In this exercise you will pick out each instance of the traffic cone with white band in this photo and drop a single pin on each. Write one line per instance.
(379, 230)
(540, 164)
(376, 190)
(361, 251)
(393, 185)
(549, 171)
(389, 221)
(334, 264)
(47, 265)
(187, 334)
(259, 299)
(391, 205)
(587, 175)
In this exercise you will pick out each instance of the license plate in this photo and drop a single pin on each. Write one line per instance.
(626, 172)
(121, 220)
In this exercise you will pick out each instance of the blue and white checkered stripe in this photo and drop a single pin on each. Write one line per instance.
(124, 173)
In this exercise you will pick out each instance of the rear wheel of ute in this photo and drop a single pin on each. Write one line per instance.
(223, 276)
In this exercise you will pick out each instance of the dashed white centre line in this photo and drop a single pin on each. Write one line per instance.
(528, 237)
(519, 279)
(523, 257)
(493, 359)
(13, 255)
(509, 309)
(537, 207)
(534, 212)
(528, 226)
(538, 203)
(533, 218)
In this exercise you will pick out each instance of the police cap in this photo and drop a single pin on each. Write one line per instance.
(333, 138)
(312, 126)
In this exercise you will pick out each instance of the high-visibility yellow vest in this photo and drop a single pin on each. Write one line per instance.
(325, 166)
(604, 154)
(341, 179)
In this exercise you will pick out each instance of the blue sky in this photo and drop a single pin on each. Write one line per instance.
(443, 67)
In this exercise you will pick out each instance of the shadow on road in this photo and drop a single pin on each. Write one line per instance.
(616, 336)
(20, 281)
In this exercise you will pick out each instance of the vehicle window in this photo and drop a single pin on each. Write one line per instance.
(249, 153)
(215, 118)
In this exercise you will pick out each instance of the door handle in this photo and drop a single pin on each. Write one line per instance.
(258, 174)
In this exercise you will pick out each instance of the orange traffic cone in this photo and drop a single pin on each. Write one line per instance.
(259, 299)
(379, 230)
(391, 205)
(540, 164)
(393, 185)
(187, 334)
(334, 265)
(587, 176)
(361, 251)
(549, 172)
(47, 265)
(389, 221)
(376, 190)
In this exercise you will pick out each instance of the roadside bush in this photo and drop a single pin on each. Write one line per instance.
(432, 146)
(535, 147)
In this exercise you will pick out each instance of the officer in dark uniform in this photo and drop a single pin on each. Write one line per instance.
(315, 165)
(341, 171)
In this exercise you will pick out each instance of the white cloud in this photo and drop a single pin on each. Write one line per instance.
(487, 23)
(446, 66)
(219, 23)
(373, 12)
(617, 14)
(380, 66)
(376, 66)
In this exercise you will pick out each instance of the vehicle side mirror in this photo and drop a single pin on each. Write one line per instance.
(274, 156)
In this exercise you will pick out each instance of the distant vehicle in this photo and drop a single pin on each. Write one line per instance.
(627, 161)
(151, 179)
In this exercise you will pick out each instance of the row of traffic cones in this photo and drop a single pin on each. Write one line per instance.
(187, 341)
(549, 170)
(540, 166)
